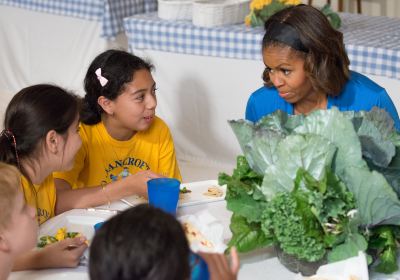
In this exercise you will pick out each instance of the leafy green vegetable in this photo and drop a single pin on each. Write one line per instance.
(317, 185)
(354, 242)
(377, 135)
(384, 243)
(291, 221)
(333, 17)
(309, 152)
(241, 188)
(376, 201)
(335, 127)
(247, 236)
(391, 172)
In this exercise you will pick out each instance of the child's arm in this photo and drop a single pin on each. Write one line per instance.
(65, 253)
(68, 198)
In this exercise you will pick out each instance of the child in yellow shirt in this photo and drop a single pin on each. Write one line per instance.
(18, 225)
(40, 137)
(124, 143)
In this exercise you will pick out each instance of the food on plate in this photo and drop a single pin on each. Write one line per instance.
(185, 190)
(61, 234)
(183, 193)
(214, 191)
(194, 235)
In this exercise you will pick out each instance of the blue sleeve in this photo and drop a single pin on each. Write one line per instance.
(250, 110)
(386, 103)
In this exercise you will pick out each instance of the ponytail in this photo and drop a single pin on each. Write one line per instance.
(8, 153)
(90, 112)
(107, 76)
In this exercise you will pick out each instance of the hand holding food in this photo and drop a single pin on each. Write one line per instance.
(60, 235)
(64, 253)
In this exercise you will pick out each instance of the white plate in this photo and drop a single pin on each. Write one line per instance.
(77, 220)
(196, 196)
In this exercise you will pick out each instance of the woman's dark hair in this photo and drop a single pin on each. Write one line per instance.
(140, 243)
(30, 115)
(326, 62)
(118, 67)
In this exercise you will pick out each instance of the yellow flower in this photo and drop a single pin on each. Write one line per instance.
(247, 20)
(61, 233)
(259, 4)
(291, 2)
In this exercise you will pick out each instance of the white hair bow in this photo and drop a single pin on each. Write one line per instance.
(103, 81)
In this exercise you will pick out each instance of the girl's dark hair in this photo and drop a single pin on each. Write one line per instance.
(30, 115)
(326, 62)
(118, 67)
(140, 243)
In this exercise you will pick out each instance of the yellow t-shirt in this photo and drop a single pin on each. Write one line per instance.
(43, 198)
(103, 159)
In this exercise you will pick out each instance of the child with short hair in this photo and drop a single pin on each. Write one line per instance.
(18, 227)
(146, 243)
(124, 143)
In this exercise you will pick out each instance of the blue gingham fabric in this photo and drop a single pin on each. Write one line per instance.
(147, 31)
(109, 12)
(372, 43)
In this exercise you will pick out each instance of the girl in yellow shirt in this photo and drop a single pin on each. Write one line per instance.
(40, 137)
(124, 142)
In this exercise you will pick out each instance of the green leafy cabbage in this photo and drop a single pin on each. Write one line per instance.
(320, 186)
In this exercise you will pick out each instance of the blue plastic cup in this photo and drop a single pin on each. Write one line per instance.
(163, 193)
(98, 226)
(199, 268)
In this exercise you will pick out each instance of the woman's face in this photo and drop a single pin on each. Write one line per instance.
(134, 108)
(21, 233)
(286, 72)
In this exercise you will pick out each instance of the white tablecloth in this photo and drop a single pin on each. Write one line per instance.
(259, 265)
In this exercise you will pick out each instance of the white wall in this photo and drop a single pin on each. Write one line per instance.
(390, 8)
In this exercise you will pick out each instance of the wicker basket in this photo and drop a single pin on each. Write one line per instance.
(209, 13)
(175, 9)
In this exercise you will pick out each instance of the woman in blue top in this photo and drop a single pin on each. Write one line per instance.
(307, 68)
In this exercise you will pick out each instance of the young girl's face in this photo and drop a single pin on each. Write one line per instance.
(286, 72)
(21, 233)
(135, 107)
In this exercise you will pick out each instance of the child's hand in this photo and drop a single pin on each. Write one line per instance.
(65, 253)
(218, 266)
(138, 181)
